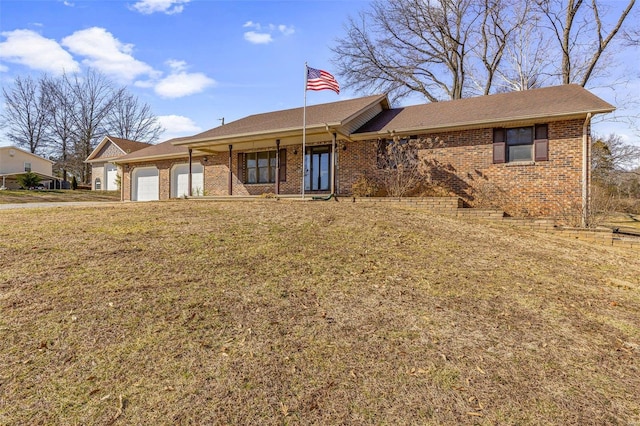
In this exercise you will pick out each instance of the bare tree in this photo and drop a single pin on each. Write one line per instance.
(611, 154)
(62, 124)
(527, 59)
(128, 118)
(501, 19)
(410, 46)
(94, 96)
(26, 114)
(399, 167)
(581, 35)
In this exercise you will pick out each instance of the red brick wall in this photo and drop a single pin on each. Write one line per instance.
(461, 161)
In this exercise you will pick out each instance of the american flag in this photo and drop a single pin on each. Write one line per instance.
(321, 80)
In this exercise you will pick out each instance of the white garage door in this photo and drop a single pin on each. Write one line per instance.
(145, 184)
(111, 171)
(180, 180)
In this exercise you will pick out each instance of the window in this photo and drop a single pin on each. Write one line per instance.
(260, 167)
(98, 184)
(521, 144)
(27, 167)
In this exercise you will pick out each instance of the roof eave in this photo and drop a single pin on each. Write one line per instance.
(149, 158)
(257, 136)
(476, 124)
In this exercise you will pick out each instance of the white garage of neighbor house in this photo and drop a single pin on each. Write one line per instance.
(104, 172)
(15, 162)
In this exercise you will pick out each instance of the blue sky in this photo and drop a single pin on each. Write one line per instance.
(195, 61)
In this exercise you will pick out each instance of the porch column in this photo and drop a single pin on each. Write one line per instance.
(230, 190)
(277, 166)
(190, 169)
(333, 164)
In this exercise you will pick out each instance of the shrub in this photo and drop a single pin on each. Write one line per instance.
(28, 180)
(364, 187)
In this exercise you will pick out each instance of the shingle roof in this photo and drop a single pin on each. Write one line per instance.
(164, 149)
(548, 102)
(127, 145)
(317, 115)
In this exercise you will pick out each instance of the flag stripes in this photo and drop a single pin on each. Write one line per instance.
(321, 80)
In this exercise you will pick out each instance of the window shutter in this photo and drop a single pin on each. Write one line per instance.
(499, 152)
(541, 148)
(283, 165)
(499, 146)
(541, 143)
(241, 167)
(541, 131)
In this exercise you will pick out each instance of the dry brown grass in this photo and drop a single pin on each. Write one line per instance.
(46, 196)
(277, 312)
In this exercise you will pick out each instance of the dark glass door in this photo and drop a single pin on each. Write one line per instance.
(318, 171)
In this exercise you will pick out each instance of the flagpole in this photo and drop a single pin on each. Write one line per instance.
(304, 128)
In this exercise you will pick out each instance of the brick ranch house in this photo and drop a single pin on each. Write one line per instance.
(527, 152)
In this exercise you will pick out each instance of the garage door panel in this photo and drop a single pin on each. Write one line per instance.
(146, 184)
(180, 180)
(111, 183)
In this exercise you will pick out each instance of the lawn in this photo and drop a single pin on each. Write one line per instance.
(282, 312)
(57, 196)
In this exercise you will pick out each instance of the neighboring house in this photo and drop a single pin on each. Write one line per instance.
(526, 152)
(15, 161)
(104, 172)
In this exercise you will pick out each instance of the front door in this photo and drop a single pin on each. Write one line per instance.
(318, 170)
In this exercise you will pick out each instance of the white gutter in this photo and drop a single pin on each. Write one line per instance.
(473, 124)
(585, 170)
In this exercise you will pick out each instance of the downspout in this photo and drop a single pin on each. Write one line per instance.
(190, 170)
(277, 166)
(230, 171)
(585, 170)
(333, 159)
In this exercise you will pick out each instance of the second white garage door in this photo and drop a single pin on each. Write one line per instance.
(111, 178)
(145, 184)
(180, 180)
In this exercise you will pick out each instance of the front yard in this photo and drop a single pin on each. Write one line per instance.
(284, 312)
(57, 196)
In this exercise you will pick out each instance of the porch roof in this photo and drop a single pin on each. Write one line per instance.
(259, 129)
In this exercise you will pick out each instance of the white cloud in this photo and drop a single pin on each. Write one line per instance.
(169, 7)
(29, 48)
(3, 68)
(258, 38)
(263, 34)
(180, 83)
(286, 30)
(106, 54)
(176, 65)
(177, 125)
